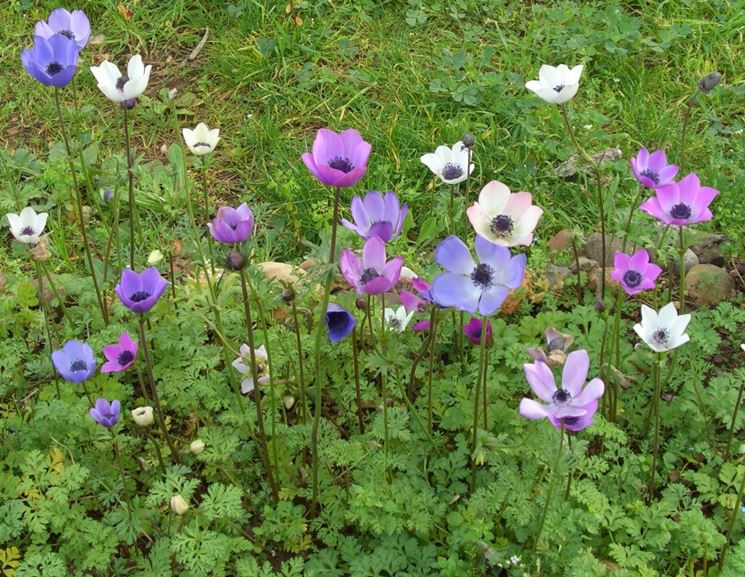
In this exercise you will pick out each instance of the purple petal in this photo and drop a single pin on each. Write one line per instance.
(593, 391)
(575, 372)
(455, 290)
(453, 255)
(495, 255)
(327, 146)
(541, 380)
(359, 214)
(532, 410)
(373, 254)
(492, 299)
(375, 206)
(392, 270)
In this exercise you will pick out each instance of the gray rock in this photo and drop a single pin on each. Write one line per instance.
(555, 276)
(707, 284)
(594, 248)
(585, 264)
(691, 260)
(708, 248)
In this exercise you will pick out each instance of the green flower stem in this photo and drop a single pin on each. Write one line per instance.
(632, 211)
(300, 365)
(451, 208)
(127, 498)
(733, 420)
(383, 388)
(682, 271)
(615, 341)
(47, 321)
(476, 406)
(207, 213)
(88, 394)
(158, 452)
(357, 392)
(79, 207)
(130, 189)
(153, 389)
(60, 300)
(656, 405)
(320, 324)
(733, 518)
(10, 177)
(264, 449)
(580, 288)
(485, 394)
(570, 473)
(430, 367)
(552, 484)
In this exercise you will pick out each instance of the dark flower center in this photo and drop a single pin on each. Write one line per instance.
(67, 33)
(369, 275)
(661, 336)
(79, 365)
(395, 323)
(125, 357)
(681, 211)
(501, 225)
(343, 164)
(451, 171)
(570, 420)
(558, 88)
(202, 144)
(651, 175)
(631, 278)
(561, 398)
(53, 68)
(121, 82)
(483, 276)
(233, 225)
(337, 321)
(476, 333)
(28, 231)
(139, 296)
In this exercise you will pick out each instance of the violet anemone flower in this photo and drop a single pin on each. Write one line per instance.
(571, 407)
(120, 356)
(105, 414)
(473, 330)
(73, 25)
(635, 273)
(232, 225)
(371, 275)
(339, 322)
(52, 62)
(140, 292)
(75, 361)
(681, 203)
(475, 287)
(503, 217)
(652, 170)
(377, 215)
(338, 159)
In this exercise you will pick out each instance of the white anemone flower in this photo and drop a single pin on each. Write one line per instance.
(397, 320)
(449, 163)
(243, 365)
(143, 416)
(120, 87)
(27, 226)
(201, 140)
(556, 84)
(663, 331)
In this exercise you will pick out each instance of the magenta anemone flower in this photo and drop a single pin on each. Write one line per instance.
(338, 159)
(371, 275)
(119, 356)
(75, 361)
(635, 273)
(52, 62)
(140, 292)
(473, 330)
(475, 287)
(377, 215)
(73, 25)
(232, 225)
(652, 170)
(105, 414)
(571, 407)
(681, 203)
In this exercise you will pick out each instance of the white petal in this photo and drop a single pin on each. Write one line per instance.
(493, 198)
(667, 316)
(576, 73)
(135, 67)
(189, 137)
(433, 162)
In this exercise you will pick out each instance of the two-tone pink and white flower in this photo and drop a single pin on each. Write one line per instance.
(503, 217)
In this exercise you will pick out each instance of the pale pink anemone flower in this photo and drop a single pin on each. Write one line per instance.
(502, 217)
(681, 203)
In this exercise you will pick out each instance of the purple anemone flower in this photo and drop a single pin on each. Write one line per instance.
(681, 203)
(119, 356)
(232, 225)
(338, 159)
(635, 273)
(377, 215)
(473, 330)
(106, 414)
(140, 292)
(52, 62)
(75, 361)
(339, 322)
(475, 287)
(652, 170)
(73, 25)
(371, 275)
(571, 407)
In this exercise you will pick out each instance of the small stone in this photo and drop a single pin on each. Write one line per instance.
(282, 272)
(708, 248)
(561, 240)
(594, 247)
(555, 276)
(691, 260)
(585, 264)
(707, 284)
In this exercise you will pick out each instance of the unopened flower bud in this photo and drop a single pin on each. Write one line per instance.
(288, 402)
(172, 93)
(235, 260)
(708, 82)
(129, 104)
(143, 416)
(107, 194)
(154, 257)
(197, 446)
(288, 295)
(469, 140)
(178, 505)
(361, 304)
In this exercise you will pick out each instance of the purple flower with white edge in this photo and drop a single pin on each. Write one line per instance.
(652, 170)
(370, 275)
(232, 225)
(473, 330)
(472, 287)
(120, 356)
(377, 215)
(681, 203)
(140, 292)
(75, 361)
(339, 322)
(105, 414)
(52, 62)
(635, 273)
(338, 159)
(571, 407)
(73, 25)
